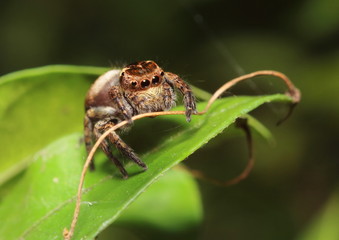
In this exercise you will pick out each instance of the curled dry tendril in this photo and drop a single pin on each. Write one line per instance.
(293, 92)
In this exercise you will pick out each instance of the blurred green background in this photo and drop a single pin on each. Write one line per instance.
(292, 192)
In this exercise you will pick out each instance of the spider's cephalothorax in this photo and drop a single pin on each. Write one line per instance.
(118, 95)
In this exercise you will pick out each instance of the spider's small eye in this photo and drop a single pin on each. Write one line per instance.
(122, 74)
(145, 83)
(133, 83)
(162, 73)
(155, 80)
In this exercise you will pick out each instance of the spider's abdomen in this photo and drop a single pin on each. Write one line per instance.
(98, 93)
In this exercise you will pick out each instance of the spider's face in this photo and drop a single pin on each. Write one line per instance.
(141, 76)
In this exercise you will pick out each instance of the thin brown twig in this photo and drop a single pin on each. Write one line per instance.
(292, 91)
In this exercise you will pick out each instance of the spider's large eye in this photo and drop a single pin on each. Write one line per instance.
(155, 80)
(145, 83)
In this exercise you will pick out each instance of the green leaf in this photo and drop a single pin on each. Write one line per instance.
(171, 204)
(42, 203)
(38, 106)
(44, 195)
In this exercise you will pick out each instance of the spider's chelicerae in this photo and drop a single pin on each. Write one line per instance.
(115, 96)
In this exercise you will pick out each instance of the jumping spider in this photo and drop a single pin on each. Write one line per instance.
(115, 96)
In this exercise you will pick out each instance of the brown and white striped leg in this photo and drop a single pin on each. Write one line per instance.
(189, 99)
(125, 149)
(169, 96)
(106, 149)
(94, 113)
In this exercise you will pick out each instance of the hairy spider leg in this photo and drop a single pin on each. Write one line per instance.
(98, 129)
(189, 99)
(104, 125)
(125, 149)
(169, 97)
(118, 98)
